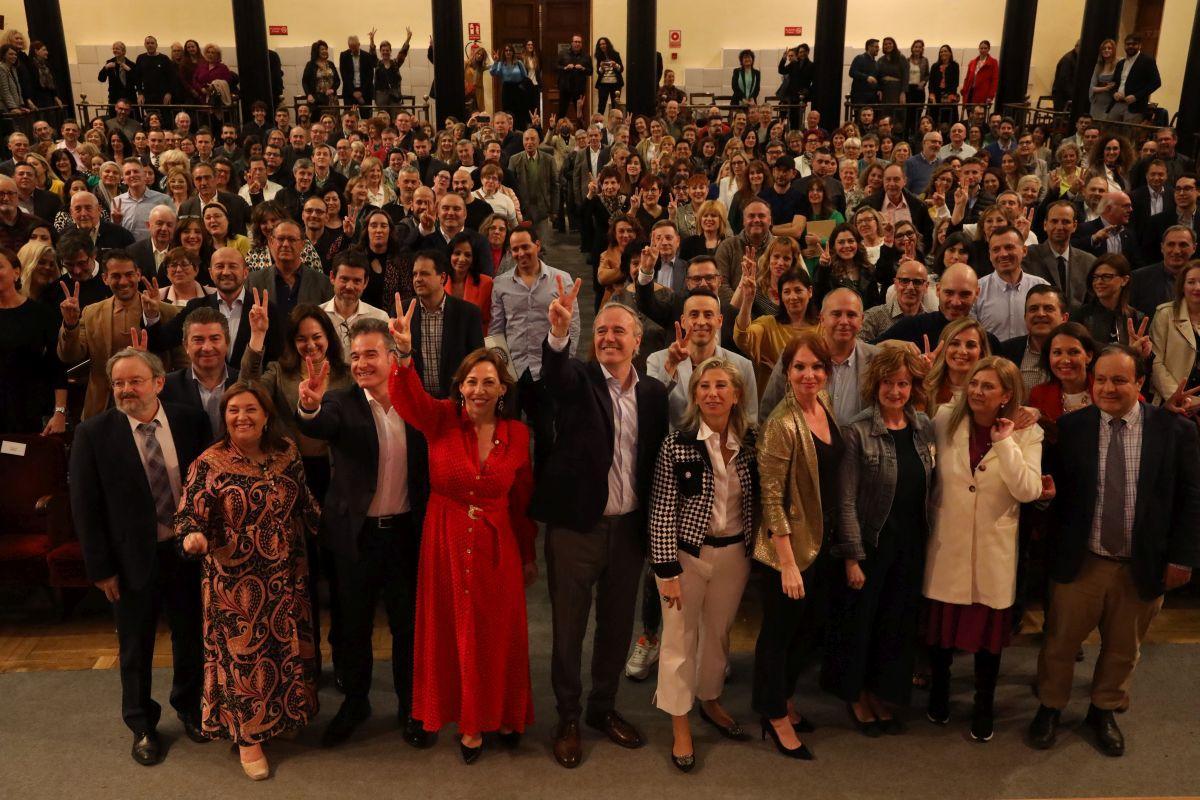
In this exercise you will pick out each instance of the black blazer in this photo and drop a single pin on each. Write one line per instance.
(573, 488)
(173, 328)
(436, 241)
(1156, 228)
(1166, 524)
(916, 208)
(1014, 350)
(1150, 287)
(143, 255)
(180, 388)
(366, 68)
(462, 333)
(1140, 198)
(346, 422)
(108, 236)
(666, 311)
(1142, 82)
(46, 204)
(111, 502)
(755, 84)
(1129, 241)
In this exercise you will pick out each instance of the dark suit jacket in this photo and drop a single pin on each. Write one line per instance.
(180, 388)
(173, 329)
(346, 422)
(237, 208)
(1140, 198)
(108, 236)
(428, 167)
(573, 489)
(916, 207)
(45, 204)
(1157, 226)
(366, 69)
(315, 288)
(143, 255)
(1166, 524)
(479, 243)
(462, 333)
(1150, 287)
(1041, 262)
(1143, 80)
(111, 502)
(666, 310)
(1129, 241)
(740, 97)
(1014, 350)
(861, 90)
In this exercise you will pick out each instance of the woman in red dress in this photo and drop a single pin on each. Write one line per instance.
(471, 663)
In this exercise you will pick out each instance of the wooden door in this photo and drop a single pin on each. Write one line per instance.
(550, 24)
(1147, 24)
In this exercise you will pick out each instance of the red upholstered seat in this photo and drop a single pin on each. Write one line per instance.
(34, 510)
(65, 564)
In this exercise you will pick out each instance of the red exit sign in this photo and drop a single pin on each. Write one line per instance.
(277, 30)
(792, 30)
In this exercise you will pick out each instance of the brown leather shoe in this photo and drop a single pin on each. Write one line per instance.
(567, 749)
(616, 728)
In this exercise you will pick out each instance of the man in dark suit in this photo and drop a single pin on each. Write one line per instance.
(1128, 512)
(1150, 199)
(237, 209)
(1136, 79)
(1182, 211)
(427, 165)
(701, 273)
(445, 329)
(896, 203)
(593, 498)
(287, 279)
(32, 200)
(150, 252)
(357, 68)
(452, 220)
(1054, 260)
(128, 465)
(1154, 285)
(1110, 232)
(200, 386)
(864, 78)
(1045, 310)
(18, 148)
(371, 521)
(233, 301)
(85, 216)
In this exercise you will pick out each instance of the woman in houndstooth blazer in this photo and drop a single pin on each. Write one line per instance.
(702, 508)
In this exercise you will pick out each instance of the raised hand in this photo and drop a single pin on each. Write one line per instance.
(826, 258)
(115, 212)
(1184, 401)
(961, 197)
(930, 355)
(678, 350)
(402, 326)
(348, 225)
(69, 307)
(747, 287)
(371, 35)
(591, 189)
(260, 320)
(635, 201)
(1138, 339)
(562, 308)
(139, 339)
(1002, 428)
(151, 294)
(646, 261)
(312, 388)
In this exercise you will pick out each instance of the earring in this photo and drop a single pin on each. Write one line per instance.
(500, 405)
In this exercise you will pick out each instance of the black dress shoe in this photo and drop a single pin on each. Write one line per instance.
(191, 727)
(802, 752)
(867, 727)
(1044, 729)
(733, 732)
(147, 750)
(614, 726)
(415, 733)
(470, 754)
(982, 725)
(1108, 735)
(348, 717)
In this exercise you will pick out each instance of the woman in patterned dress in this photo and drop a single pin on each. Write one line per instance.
(245, 510)
(472, 644)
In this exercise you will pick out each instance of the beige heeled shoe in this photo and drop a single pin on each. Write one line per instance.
(258, 770)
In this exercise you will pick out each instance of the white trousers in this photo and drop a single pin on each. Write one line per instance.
(695, 641)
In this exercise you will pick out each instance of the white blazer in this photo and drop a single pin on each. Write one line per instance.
(1174, 344)
(972, 554)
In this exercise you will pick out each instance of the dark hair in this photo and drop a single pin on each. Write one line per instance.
(365, 325)
(364, 241)
(815, 341)
(700, 292)
(1047, 288)
(115, 254)
(617, 219)
(290, 361)
(1116, 348)
(527, 229)
(315, 51)
(273, 438)
(352, 257)
(205, 315)
(744, 53)
(826, 208)
(1075, 331)
(441, 265)
(792, 275)
(74, 242)
(1123, 269)
(259, 214)
(498, 359)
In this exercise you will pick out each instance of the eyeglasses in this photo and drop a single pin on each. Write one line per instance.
(912, 281)
(905, 235)
(132, 383)
(287, 239)
(1104, 277)
(710, 278)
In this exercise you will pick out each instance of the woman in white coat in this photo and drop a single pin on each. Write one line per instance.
(985, 470)
(1174, 335)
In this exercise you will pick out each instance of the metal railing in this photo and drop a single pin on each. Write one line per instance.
(201, 114)
(408, 102)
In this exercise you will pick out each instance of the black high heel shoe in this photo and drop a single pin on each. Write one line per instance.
(802, 752)
(869, 728)
(470, 754)
(734, 731)
(804, 725)
(511, 739)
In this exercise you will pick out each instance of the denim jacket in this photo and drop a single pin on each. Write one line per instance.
(868, 478)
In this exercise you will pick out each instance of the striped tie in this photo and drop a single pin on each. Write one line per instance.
(156, 474)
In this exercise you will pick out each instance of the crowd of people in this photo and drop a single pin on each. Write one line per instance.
(331, 350)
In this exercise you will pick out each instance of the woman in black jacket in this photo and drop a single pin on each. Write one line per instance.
(943, 85)
(610, 73)
(702, 525)
(320, 81)
(798, 74)
(746, 80)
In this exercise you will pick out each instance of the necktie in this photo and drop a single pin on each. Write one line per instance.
(156, 474)
(1063, 286)
(1112, 517)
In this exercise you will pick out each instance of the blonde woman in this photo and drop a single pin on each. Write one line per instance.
(736, 179)
(986, 468)
(39, 268)
(379, 192)
(713, 228)
(178, 186)
(962, 344)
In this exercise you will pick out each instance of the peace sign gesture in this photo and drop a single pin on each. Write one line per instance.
(562, 308)
(1184, 401)
(151, 294)
(678, 351)
(646, 261)
(1138, 339)
(69, 307)
(825, 259)
(260, 320)
(115, 212)
(930, 355)
(139, 339)
(312, 388)
(402, 326)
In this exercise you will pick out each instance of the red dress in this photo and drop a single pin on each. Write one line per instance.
(471, 650)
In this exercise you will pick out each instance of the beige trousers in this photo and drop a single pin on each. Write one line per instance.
(695, 640)
(1102, 596)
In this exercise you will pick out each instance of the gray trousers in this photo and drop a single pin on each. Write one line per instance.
(609, 560)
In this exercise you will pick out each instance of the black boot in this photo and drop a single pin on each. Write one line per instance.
(939, 684)
(987, 669)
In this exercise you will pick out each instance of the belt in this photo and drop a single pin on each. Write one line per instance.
(724, 541)
(387, 522)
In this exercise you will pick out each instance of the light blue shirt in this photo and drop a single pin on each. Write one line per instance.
(1000, 307)
(520, 315)
(136, 213)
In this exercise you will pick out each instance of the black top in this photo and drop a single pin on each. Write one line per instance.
(29, 367)
(829, 460)
(908, 506)
(694, 246)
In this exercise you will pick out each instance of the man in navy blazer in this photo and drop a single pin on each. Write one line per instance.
(374, 535)
(358, 87)
(456, 324)
(1097, 237)
(593, 497)
(128, 467)
(1136, 79)
(1127, 476)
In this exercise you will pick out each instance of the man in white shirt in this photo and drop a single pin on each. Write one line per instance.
(957, 145)
(350, 269)
(131, 210)
(1000, 307)
(257, 188)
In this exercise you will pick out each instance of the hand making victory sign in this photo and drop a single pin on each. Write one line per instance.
(562, 308)
(402, 327)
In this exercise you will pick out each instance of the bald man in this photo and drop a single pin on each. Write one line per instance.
(957, 292)
(1110, 232)
(85, 214)
(150, 251)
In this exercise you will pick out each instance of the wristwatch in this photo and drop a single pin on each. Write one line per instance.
(60, 410)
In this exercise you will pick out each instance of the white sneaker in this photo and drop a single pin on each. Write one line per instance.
(643, 657)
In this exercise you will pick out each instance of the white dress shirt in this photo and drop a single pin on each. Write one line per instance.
(391, 483)
(343, 324)
(170, 458)
(726, 516)
(232, 313)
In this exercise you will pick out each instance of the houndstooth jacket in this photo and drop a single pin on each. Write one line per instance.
(681, 498)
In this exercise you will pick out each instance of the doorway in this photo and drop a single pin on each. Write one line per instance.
(550, 24)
